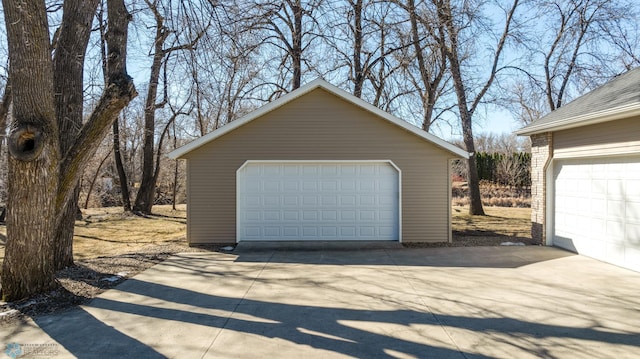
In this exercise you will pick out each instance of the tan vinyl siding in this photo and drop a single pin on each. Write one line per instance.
(619, 137)
(318, 126)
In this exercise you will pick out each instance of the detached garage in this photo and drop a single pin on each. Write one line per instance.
(586, 174)
(318, 164)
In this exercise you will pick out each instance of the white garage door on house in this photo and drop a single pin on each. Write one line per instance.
(597, 208)
(296, 201)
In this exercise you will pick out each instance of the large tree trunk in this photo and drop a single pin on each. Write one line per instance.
(68, 86)
(146, 193)
(41, 179)
(451, 51)
(34, 154)
(475, 198)
(63, 247)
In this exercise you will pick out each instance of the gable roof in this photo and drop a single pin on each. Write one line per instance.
(291, 96)
(616, 99)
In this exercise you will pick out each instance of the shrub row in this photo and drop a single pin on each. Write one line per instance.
(505, 169)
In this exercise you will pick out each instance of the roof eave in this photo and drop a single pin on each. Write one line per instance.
(318, 83)
(583, 120)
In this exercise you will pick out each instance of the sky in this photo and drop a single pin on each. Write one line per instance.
(495, 120)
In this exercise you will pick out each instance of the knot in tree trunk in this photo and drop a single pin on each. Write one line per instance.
(26, 142)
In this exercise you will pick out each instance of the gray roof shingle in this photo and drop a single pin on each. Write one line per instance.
(616, 99)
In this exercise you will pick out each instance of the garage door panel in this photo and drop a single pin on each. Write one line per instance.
(290, 201)
(329, 232)
(633, 189)
(367, 185)
(347, 232)
(310, 185)
(309, 170)
(291, 232)
(309, 232)
(597, 208)
(309, 215)
(615, 232)
(367, 200)
(271, 215)
(290, 185)
(271, 232)
(615, 208)
(309, 200)
(367, 231)
(386, 231)
(253, 232)
(597, 228)
(291, 215)
(632, 212)
(633, 232)
(330, 215)
(348, 185)
(328, 201)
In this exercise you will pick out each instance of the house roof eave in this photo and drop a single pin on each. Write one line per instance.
(613, 114)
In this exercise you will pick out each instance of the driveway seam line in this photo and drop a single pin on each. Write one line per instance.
(235, 308)
(413, 288)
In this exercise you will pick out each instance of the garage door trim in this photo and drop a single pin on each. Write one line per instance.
(249, 162)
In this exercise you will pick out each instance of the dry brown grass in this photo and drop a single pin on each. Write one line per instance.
(106, 232)
(501, 224)
(110, 232)
(504, 221)
(493, 195)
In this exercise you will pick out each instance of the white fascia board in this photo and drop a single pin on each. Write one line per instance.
(318, 83)
(583, 120)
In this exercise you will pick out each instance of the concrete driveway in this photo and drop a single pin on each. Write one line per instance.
(483, 302)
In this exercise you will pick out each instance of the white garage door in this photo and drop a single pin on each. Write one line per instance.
(287, 201)
(597, 209)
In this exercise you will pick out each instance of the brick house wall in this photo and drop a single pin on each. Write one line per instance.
(541, 154)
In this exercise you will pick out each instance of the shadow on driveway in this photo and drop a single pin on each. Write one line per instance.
(158, 314)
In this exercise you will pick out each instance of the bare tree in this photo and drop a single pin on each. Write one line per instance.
(289, 27)
(43, 178)
(426, 66)
(150, 167)
(455, 19)
(360, 42)
(576, 21)
(366, 44)
(582, 44)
